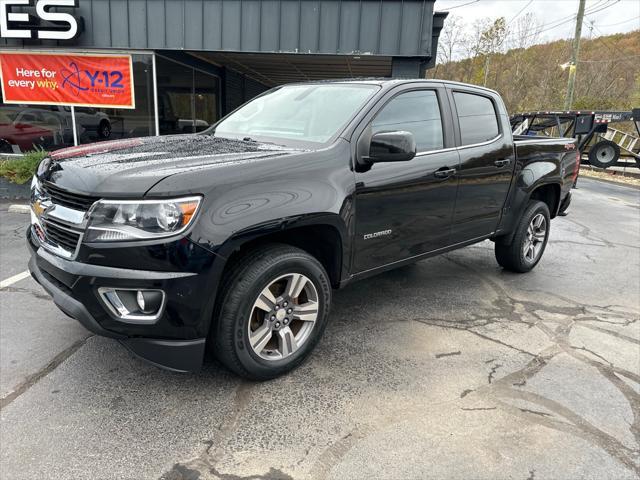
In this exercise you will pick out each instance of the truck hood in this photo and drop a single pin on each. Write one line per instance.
(126, 168)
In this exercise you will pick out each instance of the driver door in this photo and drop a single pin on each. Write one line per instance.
(405, 209)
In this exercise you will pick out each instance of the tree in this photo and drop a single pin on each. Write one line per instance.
(525, 32)
(491, 42)
(452, 38)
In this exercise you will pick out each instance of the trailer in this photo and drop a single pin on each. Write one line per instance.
(585, 126)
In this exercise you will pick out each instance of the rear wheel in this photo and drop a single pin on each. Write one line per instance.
(275, 305)
(529, 242)
(604, 154)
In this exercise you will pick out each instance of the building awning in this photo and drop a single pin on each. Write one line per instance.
(276, 69)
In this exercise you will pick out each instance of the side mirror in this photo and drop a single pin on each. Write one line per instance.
(397, 146)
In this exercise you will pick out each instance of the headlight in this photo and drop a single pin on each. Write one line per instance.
(35, 183)
(112, 220)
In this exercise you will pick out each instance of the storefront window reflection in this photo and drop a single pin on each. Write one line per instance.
(31, 127)
(187, 98)
(188, 102)
(98, 124)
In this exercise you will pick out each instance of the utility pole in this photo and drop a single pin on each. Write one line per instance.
(573, 64)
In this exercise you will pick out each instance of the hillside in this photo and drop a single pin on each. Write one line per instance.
(608, 74)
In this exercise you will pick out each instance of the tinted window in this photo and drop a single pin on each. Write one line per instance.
(477, 118)
(417, 112)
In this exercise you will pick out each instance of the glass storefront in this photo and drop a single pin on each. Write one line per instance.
(97, 124)
(187, 98)
(30, 127)
(188, 101)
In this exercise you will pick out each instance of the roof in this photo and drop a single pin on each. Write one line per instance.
(392, 81)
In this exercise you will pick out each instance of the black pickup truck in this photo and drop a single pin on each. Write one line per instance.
(231, 240)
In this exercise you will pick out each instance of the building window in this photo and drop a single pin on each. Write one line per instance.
(30, 127)
(98, 124)
(188, 99)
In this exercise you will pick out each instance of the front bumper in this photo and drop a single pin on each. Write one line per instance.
(176, 341)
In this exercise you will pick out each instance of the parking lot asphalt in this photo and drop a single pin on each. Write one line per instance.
(450, 368)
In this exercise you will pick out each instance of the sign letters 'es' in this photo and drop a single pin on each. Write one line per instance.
(67, 79)
(59, 26)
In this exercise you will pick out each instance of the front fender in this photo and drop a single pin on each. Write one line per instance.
(320, 219)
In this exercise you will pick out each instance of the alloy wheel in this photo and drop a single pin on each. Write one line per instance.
(535, 237)
(283, 316)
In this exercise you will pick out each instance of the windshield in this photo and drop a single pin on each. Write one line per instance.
(308, 113)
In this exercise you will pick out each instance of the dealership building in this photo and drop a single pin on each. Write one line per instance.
(193, 61)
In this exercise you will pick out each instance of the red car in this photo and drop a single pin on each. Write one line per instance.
(28, 129)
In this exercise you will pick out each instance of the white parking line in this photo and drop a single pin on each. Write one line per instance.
(16, 208)
(14, 279)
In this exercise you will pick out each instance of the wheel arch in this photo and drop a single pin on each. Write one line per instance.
(548, 193)
(325, 238)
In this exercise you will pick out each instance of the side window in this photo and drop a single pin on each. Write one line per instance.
(476, 117)
(417, 112)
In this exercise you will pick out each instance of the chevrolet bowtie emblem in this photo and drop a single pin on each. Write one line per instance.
(38, 208)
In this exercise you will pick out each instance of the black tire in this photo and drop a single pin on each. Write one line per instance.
(104, 129)
(229, 335)
(511, 256)
(5, 147)
(604, 154)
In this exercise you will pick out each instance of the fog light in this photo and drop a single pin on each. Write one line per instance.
(149, 301)
(140, 299)
(133, 305)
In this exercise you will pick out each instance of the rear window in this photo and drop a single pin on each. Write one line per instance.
(476, 117)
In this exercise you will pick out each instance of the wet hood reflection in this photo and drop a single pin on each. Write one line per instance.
(131, 167)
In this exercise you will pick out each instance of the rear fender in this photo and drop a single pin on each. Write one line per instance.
(531, 178)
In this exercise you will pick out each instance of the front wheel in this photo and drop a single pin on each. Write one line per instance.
(530, 239)
(275, 305)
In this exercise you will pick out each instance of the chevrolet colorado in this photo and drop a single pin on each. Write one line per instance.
(231, 240)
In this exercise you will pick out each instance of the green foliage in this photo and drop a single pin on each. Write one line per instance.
(20, 169)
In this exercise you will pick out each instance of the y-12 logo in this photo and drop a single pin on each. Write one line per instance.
(60, 26)
(76, 79)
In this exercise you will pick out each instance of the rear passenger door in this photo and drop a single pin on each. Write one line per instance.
(404, 209)
(487, 162)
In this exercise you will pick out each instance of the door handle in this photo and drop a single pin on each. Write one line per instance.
(502, 163)
(444, 172)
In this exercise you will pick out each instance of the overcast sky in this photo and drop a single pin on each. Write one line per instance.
(558, 16)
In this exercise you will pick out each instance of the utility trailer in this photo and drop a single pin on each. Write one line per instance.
(584, 126)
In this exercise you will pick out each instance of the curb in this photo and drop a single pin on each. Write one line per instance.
(19, 208)
(606, 180)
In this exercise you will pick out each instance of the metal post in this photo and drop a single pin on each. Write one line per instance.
(155, 94)
(573, 64)
(73, 125)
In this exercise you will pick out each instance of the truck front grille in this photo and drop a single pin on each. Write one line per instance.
(62, 236)
(68, 199)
